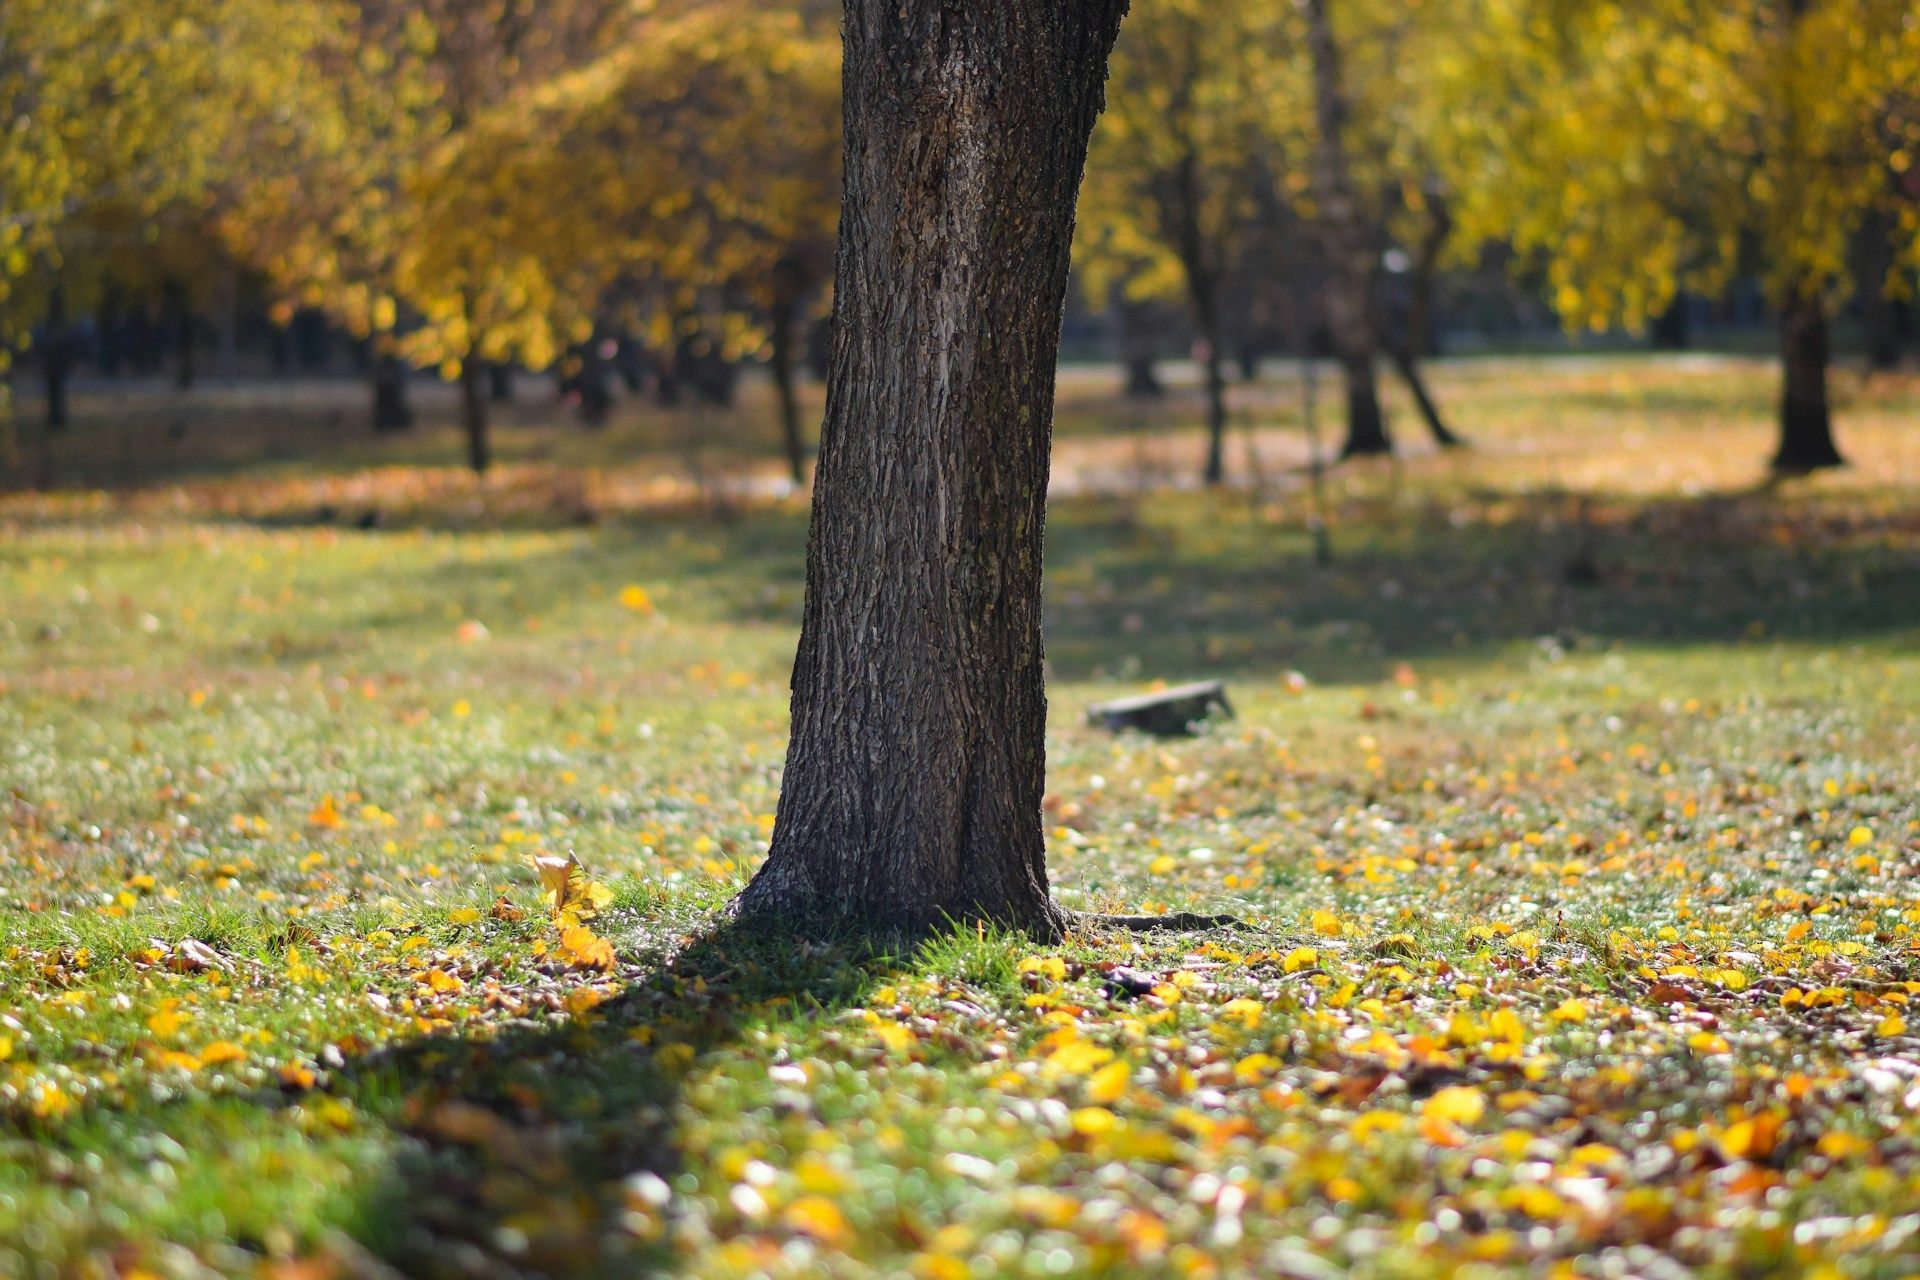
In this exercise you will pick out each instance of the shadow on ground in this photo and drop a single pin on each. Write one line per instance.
(1236, 593)
(549, 1149)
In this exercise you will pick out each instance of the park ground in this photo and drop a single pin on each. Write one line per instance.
(1572, 812)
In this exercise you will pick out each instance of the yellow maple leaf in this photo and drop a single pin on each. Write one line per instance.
(582, 948)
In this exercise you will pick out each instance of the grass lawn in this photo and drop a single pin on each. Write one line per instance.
(1582, 907)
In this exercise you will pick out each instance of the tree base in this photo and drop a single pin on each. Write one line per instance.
(1366, 448)
(1172, 922)
(777, 903)
(1801, 462)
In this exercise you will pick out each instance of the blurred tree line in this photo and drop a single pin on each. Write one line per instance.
(646, 190)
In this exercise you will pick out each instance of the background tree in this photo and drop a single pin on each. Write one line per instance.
(694, 172)
(115, 113)
(916, 761)
(1177, 167)
(1640, 147)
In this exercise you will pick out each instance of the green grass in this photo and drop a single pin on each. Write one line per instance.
(1537, 872)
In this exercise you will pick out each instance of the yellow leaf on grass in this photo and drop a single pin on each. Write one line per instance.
(221, 1051)
(1569, 1011)
(1891, 1025)
(1094, 1121)
(635, 597)
(818, 1217)
(166, 1024)
(1456, 1105)
(1109, 1082)
(1300, 958)
(1077, 1057)
(1327, 924)
(1368, 1123)
(325, 815)
(1752, 1138)
(582, 948)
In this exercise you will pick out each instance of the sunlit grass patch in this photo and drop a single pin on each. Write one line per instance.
(1579, 911)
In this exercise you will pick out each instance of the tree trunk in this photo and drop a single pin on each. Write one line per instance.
(185, 334)
(1216, 397)
(916, 762)
(56, 356)
(1409, 371)
(1806, 422)
(391, 409)
(593, 396)
(781, 363)
(1349, 258)
(499, 382)
(473, 402)
(1422, 338)
(1673, 329)
(1136, 350)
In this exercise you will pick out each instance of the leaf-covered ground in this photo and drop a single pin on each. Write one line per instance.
(1576, 830)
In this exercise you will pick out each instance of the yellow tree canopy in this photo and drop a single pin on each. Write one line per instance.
(1638, 147)
(111, 112)
(697, 162)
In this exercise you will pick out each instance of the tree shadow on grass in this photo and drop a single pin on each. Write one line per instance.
(1461, 577)
(548, 1149)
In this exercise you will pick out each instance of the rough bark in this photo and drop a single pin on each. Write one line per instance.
(473, 402)
(1349, 257)
(916, 761)
(1806, 421)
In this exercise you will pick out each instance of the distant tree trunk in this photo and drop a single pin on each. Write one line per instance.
(1409, 371)
(1136, 350)
(107, 343)
(499, 382)
(590, 384)
(1806, 422)
(226, 356)
(1216, 380)
(1882, 317)
(916, 761)
(473, 403)
(785, 387)
(392, 411)
(1874, 261)
(1349, 259)
(1673, 328)
(56, 356)
(1182, 204)
(1422, 339)
(185, 334)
